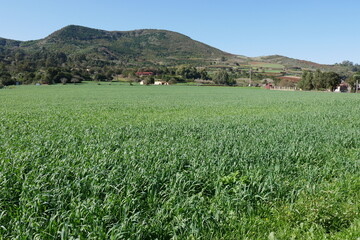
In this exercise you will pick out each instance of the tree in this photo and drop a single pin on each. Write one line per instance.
(6, 80)
(332, 80)
(149, 80)
(306, 81)
(204, 74)
(62, 58)
(319, 82)
(345, 63)
(222, 77)
(100, 77)
(309, 80)
(75, 80)
(5, 77)
(51, 60)
(28, 77)
(353, 80)
(172, 81)
(63, 80)
(51, 74)
(19, 55)
(188, 72)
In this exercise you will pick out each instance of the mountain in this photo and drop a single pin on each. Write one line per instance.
(83, 47)
(147, 45)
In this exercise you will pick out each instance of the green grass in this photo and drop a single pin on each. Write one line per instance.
(183, 162)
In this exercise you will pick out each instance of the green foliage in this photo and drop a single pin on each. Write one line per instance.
(222, 77)
(319, 80)
(204, 74)
(149, 80)
(353, 80)
(134, 162)
(332, 80)
(188, 72)
(332, 209)
(100, 77)
(5, 77)
(306, 82)
(73, 32)
(349, 65)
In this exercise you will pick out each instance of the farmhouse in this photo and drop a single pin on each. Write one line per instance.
(343, 87)
(161, 83)
(144, 82)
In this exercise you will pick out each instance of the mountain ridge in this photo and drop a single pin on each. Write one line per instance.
(155, 46)
(138, 45)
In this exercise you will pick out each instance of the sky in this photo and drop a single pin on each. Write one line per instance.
(323, 31)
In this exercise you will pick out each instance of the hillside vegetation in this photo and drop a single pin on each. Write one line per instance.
(120, 47)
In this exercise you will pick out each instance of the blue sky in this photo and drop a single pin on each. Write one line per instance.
(317, 30)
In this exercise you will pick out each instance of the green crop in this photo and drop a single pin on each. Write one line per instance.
(178, 162)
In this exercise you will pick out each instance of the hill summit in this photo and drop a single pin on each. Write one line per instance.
(145, 45)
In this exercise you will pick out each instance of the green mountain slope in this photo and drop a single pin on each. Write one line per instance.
(148, 45)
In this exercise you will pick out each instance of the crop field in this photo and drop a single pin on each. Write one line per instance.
(266, 65)
(178, 162)
(273, 71)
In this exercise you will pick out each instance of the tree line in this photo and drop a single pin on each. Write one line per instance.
(319, 80)
(327, 80)
(52, 68)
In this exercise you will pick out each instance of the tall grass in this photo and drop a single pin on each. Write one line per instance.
(137, 162)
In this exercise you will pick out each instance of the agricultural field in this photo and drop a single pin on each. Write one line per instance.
(266, 65)
(178, 162)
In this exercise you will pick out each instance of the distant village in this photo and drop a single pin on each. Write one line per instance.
(147, 78)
